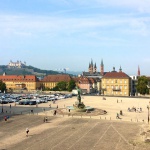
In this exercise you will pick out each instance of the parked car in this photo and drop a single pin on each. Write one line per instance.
(32, 102)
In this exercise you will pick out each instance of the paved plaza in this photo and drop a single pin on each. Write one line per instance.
(76, 132)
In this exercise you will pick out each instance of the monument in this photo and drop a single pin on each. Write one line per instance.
(79, 106)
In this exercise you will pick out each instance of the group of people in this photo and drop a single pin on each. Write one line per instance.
(135, 109)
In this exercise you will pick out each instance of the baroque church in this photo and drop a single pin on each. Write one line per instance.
(93, 72)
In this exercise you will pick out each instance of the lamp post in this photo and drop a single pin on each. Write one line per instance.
(148, 113)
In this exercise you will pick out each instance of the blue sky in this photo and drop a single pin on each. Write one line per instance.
(53, 34)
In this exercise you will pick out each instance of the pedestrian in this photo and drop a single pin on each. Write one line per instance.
(10, 106)
(49, 105)
(57, 106)
(5, 118)
(140, 109)
(31, 111)
(69, 110)
(44, 119)
(121, 112)
(27, 131)
(117, 117)
(55, 112)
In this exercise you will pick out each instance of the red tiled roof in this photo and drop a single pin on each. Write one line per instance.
(84, 80)
(19, 78)
(56, 78)
(115, 75)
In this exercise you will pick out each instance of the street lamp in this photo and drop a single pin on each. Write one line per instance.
(148, 113)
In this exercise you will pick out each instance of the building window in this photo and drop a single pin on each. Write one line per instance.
(115, 81)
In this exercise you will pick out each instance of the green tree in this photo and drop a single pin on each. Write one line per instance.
(142, 85)
(62, 86)
(2, 86)
(71, 85)
(55, 88)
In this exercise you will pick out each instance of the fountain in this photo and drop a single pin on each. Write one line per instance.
(79, 106)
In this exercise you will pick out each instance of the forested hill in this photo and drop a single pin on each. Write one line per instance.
(27, 70)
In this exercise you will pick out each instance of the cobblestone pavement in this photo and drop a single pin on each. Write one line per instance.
(69, 134)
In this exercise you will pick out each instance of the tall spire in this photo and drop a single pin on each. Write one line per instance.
(102, 64)
(139, 71)
(102, 68)
(91, 62)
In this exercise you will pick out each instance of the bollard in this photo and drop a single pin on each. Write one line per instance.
(105, 118)
(131, 120)
(110, 118)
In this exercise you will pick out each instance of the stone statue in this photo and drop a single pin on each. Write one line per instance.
(79, 95)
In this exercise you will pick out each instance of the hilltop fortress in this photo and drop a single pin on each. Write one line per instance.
(17, 64)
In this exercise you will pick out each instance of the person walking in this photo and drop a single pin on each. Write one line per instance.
(117, 116)
(55, 112)
(27, 131)
(5, 118)
(46, 119)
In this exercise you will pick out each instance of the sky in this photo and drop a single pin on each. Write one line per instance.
(56, 34)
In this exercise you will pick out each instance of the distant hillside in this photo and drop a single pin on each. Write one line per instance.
(26, 70)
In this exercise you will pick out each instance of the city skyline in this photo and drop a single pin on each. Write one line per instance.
(69, 33)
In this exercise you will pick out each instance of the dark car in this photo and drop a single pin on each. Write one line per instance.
(4, 101)
(32, 103)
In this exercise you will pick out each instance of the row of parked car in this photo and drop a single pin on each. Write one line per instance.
(31, 99)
